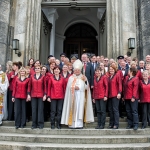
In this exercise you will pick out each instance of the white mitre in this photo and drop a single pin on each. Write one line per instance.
(77, 64)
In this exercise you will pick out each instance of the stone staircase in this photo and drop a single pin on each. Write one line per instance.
(73, 139)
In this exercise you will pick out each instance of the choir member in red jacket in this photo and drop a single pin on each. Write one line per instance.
(19, 96)
(56, 93)
(131, 85)
(36, 63)
(13, 76)
(100, 94)
(114, 95)
(37, 94)
(31, 62)
(47, 75)
(145, 99)
(28, 104)
(65, 74)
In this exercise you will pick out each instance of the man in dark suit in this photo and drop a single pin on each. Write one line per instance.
(88, 69)
(62, 59)
(120, 59)
(94, 62)
(123, 68)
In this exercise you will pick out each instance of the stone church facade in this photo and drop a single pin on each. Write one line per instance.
(46, 27)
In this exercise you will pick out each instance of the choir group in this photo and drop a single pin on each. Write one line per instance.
(46, 91)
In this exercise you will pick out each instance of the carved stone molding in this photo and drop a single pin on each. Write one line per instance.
(46, 26)
(102, 23)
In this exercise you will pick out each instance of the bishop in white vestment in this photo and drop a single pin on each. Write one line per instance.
(77, 107)
(3, 95)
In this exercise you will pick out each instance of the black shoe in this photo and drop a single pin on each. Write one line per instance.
(143, 127)
(17, 127)
(33, 127)
(101, 127)
(40, 127)
(52, 126)
(98, 127)
(122, 117)
(129, 127)
(58, 126)
(135, 128)
(109, 127)
(115, 127)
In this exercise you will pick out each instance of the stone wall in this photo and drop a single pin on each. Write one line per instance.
(144, 28)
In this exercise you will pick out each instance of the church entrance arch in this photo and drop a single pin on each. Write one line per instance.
(80, 38)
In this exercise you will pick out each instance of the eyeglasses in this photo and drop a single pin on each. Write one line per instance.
(105, 60)
(37, 68)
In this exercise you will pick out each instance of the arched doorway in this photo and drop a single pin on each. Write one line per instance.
(80, 38)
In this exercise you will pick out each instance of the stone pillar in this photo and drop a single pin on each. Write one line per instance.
(51, 15)
(4, 23)
(27, 28)
(114, 43)
(33, 24)
(121, 25)
(143, 28)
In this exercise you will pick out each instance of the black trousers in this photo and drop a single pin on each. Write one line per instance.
(113, 108)
(145, 113)
(20, 112)
(132, 112)
(37, 112)
(10, 107)
(46, 110)
(101, 111)
(28, 110)
(56, 106)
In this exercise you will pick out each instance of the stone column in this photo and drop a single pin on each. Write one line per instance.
(121, 25)
(4, 23)
(114, 42)
(27, 28)
(51, 15)
(33, 24)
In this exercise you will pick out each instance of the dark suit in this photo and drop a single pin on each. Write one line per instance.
(89, 73)
(127, 66)
(61, 65)
(94, 66)
(121, 103)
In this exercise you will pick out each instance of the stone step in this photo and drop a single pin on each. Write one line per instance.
(87, 132)
(88, 125)
(4, 145)
(75, 139)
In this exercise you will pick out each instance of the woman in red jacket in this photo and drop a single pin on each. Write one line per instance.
(37, 94)
(12, 77)
(19, 96)
(145, 99)
(114, 95)
(100, 94)
(65, 74)
(131, 85)
(56, 93)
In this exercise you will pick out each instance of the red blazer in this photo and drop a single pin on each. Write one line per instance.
(100, 89)
(37, 87)
(66, 78)
(32, 71)
(11, 80)
(144, 92)
(139, 75)
(56, 88)
(114, 85)
(131, 87)
(20, 88)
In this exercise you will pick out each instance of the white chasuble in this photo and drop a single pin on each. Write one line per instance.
(77, 106)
